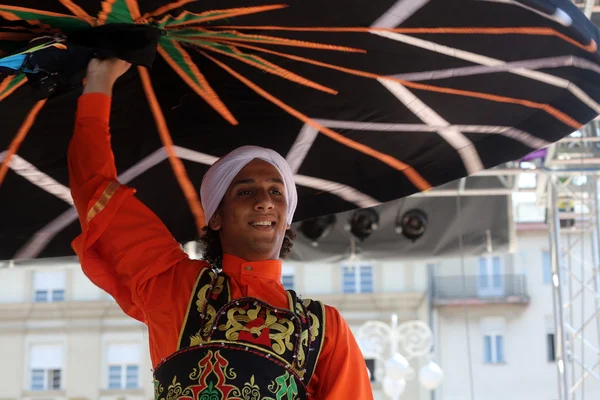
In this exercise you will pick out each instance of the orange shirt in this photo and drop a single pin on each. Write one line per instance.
(126, 250)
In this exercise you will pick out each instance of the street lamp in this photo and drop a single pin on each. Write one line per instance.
(394, 346)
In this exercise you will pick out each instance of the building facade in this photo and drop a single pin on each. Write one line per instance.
(62, 338)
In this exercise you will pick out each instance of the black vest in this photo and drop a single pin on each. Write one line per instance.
(243, 349)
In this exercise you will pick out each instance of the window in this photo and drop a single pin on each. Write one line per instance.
(123, 361)
(288, 277)
(550, 343)
(493, 333)
(546, 268)
(550, 339)
(357, 279)
(49, 286)
(371, 368)
(46, 367)
(494, 349)
(123, 376)
(490, 277)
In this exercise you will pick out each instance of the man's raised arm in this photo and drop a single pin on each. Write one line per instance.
(124, 248)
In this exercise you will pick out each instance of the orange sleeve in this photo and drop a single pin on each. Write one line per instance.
(341, 369)
(124, 248)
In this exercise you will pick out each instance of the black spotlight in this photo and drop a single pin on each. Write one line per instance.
(363, 223)
(317, 228)
(412, 224)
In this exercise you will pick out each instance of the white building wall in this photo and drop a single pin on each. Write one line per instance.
(527, 373)
(13, 281)
(11, 373)
(316, 279)
(89, 319)
(82, 289)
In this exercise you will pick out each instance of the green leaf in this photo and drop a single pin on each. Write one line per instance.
(63, 22)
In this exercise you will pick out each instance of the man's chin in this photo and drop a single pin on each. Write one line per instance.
(264, 244)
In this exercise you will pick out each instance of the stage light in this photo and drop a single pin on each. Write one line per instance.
(412, 224)
(317, 228)
(363, 223)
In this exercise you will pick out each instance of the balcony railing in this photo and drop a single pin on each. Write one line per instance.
(480, 289)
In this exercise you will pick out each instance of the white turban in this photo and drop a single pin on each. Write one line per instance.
(219, 176)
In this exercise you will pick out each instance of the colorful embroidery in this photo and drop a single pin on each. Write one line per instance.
(251, 391)
(213, 383)
(212, 376)
(286, 388)
(248, 350)
(205, 308)
(260, 326)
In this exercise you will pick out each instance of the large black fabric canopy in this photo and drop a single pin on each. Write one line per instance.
(369, 101)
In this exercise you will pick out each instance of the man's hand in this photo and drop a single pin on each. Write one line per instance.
(102, 75)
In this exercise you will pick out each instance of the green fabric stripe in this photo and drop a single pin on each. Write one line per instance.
(119, 14)
(214, 35)
(16, 80)
(189, 19)
(229, 50)
(177, 56)
(65, 23)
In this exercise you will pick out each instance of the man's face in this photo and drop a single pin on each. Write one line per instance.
(251, 218)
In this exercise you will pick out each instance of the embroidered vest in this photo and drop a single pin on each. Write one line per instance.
(243, 349)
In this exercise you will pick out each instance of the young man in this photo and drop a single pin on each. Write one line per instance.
(226, 332)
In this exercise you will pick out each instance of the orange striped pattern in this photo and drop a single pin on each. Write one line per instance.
(206, 91)
(78, 12)
(536, 31)
(105, 12)
(406, 169)
(12, 17)
(5, 83)
(559, 115)
(41, 12)
(241, 37)
(134, 9)
(188, 189)
(272, 68)
(227, 13)
(16, 143)
(16, 36)
(166, 8)
(566, 119)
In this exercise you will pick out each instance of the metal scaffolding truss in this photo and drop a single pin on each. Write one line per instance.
(573, 215)
(575, 278)
(567, 186)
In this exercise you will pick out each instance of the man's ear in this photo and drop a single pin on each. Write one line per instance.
(215, 221)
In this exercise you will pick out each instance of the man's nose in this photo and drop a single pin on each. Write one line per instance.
(263, 201)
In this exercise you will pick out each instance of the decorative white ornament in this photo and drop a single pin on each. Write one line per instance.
(374, 338)
(393, 387)
(431, 376)
(416, 338)
(397, 367)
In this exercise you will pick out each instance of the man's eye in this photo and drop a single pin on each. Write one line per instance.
(276, 191)
(244, 192)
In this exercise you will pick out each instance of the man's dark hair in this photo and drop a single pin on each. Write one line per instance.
(212, 251)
